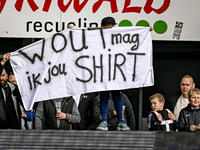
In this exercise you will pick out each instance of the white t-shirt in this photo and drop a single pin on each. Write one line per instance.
(181, 103)
(77, 99)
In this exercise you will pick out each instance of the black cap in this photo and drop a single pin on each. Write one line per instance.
(108, 20)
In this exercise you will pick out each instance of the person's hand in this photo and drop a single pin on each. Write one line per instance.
(23, 114)
(159, 117)
(192, 128)
(171, 116)
(115, 112)
(61, 115)
(198, 127)
(5, 58)
(151, 28)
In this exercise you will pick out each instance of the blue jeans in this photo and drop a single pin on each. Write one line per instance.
(117, 98)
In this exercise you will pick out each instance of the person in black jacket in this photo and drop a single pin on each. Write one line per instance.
(159, 118)
(189, 118)
(180, 99)
(85, 108)
(9, 100)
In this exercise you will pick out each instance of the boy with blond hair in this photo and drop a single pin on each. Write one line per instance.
(189, 118)
(159, 118)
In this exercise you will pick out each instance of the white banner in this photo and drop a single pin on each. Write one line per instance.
(84, 60)
(171, 19)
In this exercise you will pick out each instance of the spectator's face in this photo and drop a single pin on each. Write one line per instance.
(4, 78)
(70, 26)
(12, 79)
(156, 105)
(194, 100)
(186, 85)
(109, 25)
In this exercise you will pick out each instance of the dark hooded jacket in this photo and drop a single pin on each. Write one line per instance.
(188, 117)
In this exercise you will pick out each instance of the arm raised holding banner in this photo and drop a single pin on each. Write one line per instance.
(5, 58)
(10, 100)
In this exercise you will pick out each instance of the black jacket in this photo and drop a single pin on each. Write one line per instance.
(85, 108)
(1, 68)
(188, 117)
(10, 113)
(154, 124)
(170, 104)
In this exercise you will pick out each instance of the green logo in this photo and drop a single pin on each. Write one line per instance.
(126, 23)
(160, 26)
(143, 23)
